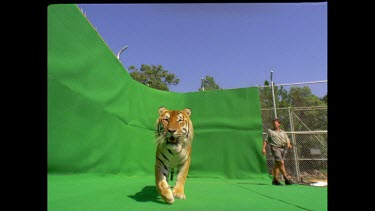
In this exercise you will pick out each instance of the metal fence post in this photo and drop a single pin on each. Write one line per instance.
(273, 98)
(296, 159)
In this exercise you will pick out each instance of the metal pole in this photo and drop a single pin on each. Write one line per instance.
(123, 49)
(273, 97)
(295, 150)
(202, 84)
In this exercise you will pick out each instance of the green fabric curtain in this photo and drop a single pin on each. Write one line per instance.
(101, 121)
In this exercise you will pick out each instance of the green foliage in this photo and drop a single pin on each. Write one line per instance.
(302, 96)
(325, 99)
(302, 103)
(209, 84)
(154, 76)
(296, 97)
(281, 96)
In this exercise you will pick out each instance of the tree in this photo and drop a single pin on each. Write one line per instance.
(325, 98)
(302, 97)
(154, 76)
(281, 96)
(209, 84)
(296, 97)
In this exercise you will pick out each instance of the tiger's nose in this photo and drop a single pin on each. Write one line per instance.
(171, 131)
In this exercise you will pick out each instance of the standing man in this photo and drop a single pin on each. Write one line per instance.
(280, 143)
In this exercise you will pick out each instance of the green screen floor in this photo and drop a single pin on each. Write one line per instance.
(118, 192)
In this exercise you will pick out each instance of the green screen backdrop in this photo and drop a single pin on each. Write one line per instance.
(101, 120)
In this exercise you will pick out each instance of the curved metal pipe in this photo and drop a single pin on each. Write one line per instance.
(123, 49)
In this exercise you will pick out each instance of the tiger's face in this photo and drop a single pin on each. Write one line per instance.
(174, 128)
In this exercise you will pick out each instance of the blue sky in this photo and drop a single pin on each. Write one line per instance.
(236, 43)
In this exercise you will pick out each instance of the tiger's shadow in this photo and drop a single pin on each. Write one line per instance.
(147, 194)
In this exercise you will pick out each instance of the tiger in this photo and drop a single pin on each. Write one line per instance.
(174, 136)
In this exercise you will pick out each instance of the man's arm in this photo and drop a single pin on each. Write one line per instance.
(264, 147)
(288, 141)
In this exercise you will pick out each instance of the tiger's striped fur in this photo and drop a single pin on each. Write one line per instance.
(174, 135)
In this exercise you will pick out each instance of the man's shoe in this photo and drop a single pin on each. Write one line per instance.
(288, 182)
(276, 182)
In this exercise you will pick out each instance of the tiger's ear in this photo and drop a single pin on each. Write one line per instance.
(161, 110)
(187, 111)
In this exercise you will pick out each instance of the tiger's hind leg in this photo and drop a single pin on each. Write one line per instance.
(163, 187)
(178, 190)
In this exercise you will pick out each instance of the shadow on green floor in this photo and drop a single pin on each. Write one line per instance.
(148, 194)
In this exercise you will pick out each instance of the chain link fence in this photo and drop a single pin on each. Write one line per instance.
(305, 121)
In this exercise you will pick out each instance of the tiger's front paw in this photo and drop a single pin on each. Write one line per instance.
(168, 197)
(165, 192)
(179, 194)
